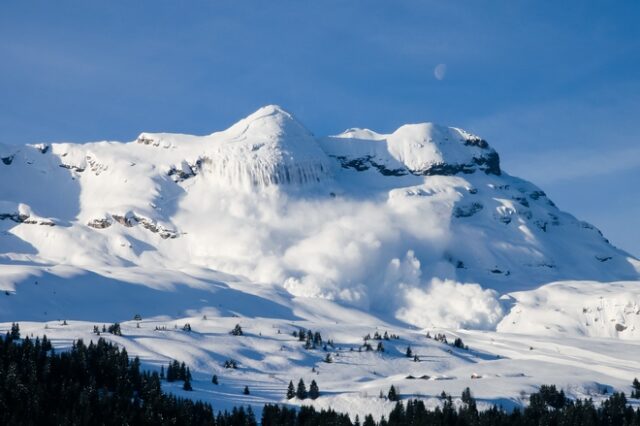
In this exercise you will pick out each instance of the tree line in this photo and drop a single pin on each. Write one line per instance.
(98, 384)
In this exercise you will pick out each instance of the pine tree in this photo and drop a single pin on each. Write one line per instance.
(15, 331)
(291, 392)
(301, 392)
(162, 372)
(368, 421)
(409, 352)
(635, 393)
(115, 329)
(214, 379)
(328, 359)
(468, 399)
(393, 395)
(187, 385)
(170, 373)
(458, 343)
(317, 339)
(380, 347)
(314, 391)
(237, 331)
(246, 390)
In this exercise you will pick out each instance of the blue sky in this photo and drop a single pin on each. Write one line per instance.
(554, 86)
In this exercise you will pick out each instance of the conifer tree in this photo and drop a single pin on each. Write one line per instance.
(314, 391)
(182, 373)
(368, 421)
(214, 379)
(635, 393)
(301, 392)
(246, 390)
(237, 331)
(187, 385)
(291, 392)
(317, 339)
(15, 331)
(409, 352)
(468, 399)
(393, 395)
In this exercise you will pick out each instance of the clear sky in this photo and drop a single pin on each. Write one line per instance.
(553, 86)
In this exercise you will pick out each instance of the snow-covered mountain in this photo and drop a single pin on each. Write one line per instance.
(268, 226)
(383, 222)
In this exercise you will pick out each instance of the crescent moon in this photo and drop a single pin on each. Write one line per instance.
(440, 71)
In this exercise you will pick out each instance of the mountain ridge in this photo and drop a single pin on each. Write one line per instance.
(353, 217)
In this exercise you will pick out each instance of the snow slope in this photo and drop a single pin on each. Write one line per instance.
(500, 368)
(264, 223)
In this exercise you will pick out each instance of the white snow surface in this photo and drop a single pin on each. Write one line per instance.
(266, 225)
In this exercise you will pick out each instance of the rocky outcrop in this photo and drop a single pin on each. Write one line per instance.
(468, 210)
(489, 164)
(26, 219)
(72, 167)
(367, 162)
(130, 220)
(99, 223)
(185, 170)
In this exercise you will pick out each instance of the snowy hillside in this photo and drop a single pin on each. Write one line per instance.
(265, 224)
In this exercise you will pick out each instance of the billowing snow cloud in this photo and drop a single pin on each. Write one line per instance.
(446, 303)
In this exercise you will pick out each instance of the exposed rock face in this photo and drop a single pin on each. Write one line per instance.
(25, 218)
(367, 162)
(130, 220)
(72, 167)
(99, 223)
(468, 210)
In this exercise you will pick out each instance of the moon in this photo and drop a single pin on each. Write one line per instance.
(440, 71)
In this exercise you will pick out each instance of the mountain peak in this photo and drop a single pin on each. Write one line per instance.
(271, 109)
(419, 149)
(271, 122)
